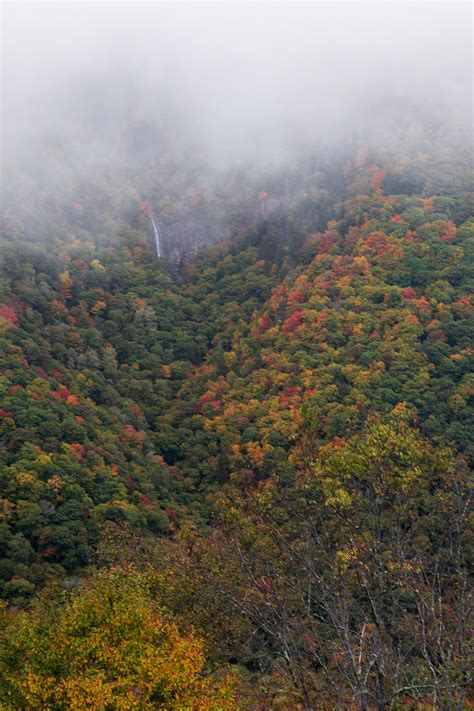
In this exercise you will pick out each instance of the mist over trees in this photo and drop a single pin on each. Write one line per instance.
(108, 96)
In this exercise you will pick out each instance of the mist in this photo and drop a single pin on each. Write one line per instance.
(243, 78)
(118, 89)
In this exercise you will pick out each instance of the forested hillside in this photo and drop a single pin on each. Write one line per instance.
(258, 455)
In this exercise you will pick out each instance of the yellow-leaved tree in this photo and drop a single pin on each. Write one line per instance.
(105, 646)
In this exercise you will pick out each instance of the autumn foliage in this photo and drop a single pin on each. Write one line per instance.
(277, 431)
(106, 645)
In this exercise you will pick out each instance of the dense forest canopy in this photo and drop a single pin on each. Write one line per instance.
(235, 475)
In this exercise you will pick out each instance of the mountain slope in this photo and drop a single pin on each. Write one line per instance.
(130, 391)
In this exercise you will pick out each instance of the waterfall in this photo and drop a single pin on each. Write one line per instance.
(157, 235)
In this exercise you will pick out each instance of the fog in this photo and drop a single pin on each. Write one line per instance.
(250, 78)
(105, 86)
